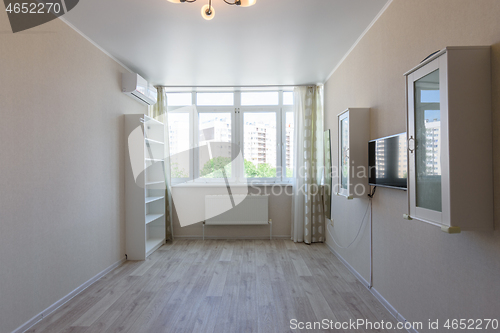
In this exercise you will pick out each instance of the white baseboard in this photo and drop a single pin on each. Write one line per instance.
(232, 237)
(374, 292)
(349, 267)
(27, 325)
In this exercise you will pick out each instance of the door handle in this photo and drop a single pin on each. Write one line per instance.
(411, 144)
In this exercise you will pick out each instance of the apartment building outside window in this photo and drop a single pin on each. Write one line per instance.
(259, 125)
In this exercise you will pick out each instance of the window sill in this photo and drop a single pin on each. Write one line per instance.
(217, 184)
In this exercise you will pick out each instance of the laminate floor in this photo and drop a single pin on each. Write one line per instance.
(222, 286)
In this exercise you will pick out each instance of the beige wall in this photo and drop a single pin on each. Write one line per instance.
(280, 211)
(61, 166)
(423, 272)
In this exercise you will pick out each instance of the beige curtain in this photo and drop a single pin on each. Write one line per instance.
(308, 223)
(159, 112)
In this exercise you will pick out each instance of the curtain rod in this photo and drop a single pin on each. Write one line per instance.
(256, 86)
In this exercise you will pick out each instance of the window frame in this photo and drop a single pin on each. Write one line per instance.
(195, 98)
(196, 136)
(237, 136)
(284, 110)
(262, 109)
(280, 97)
(190, 111)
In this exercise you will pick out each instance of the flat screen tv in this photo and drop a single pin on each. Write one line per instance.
(387, 162)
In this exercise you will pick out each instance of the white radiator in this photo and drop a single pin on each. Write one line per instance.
(241, 210)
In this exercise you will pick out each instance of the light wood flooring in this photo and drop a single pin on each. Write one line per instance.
(220, 286)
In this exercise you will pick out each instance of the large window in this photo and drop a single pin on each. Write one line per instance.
(242, 136)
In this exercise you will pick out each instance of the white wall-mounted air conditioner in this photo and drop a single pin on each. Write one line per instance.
(139, 89)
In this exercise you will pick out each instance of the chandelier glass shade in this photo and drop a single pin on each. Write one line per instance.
(208, 11)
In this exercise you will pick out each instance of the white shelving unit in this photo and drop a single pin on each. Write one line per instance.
(144, 186)
(450, 178)
(354, 133)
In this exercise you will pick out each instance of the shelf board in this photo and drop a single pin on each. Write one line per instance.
(155, 183)
(153, 141)
(152, 217)
(152, 199)
(152, 121)
(152, 244)
(154, 160)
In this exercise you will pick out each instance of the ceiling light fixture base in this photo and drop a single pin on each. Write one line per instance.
(208, 12)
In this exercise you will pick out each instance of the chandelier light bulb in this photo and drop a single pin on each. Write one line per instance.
(247, 3)
(206, 14)
(208, 11)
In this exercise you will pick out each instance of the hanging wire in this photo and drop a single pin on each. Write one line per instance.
(372, 193)
(357, 234)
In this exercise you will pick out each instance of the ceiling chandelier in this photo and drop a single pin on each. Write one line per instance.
(208, 11)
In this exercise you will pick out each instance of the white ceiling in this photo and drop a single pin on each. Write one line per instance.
(275, 42)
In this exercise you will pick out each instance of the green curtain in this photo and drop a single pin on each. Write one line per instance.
(308, 224)
(159, 112)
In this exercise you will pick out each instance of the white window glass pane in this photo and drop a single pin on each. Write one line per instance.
(289, 133)
(428, 142)
(288, 98)
(215, 127)
(344, 146)
(260, 98)
(259, 138)
(429, 96)
(207, 99)
(179, 99)
(180, 157)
